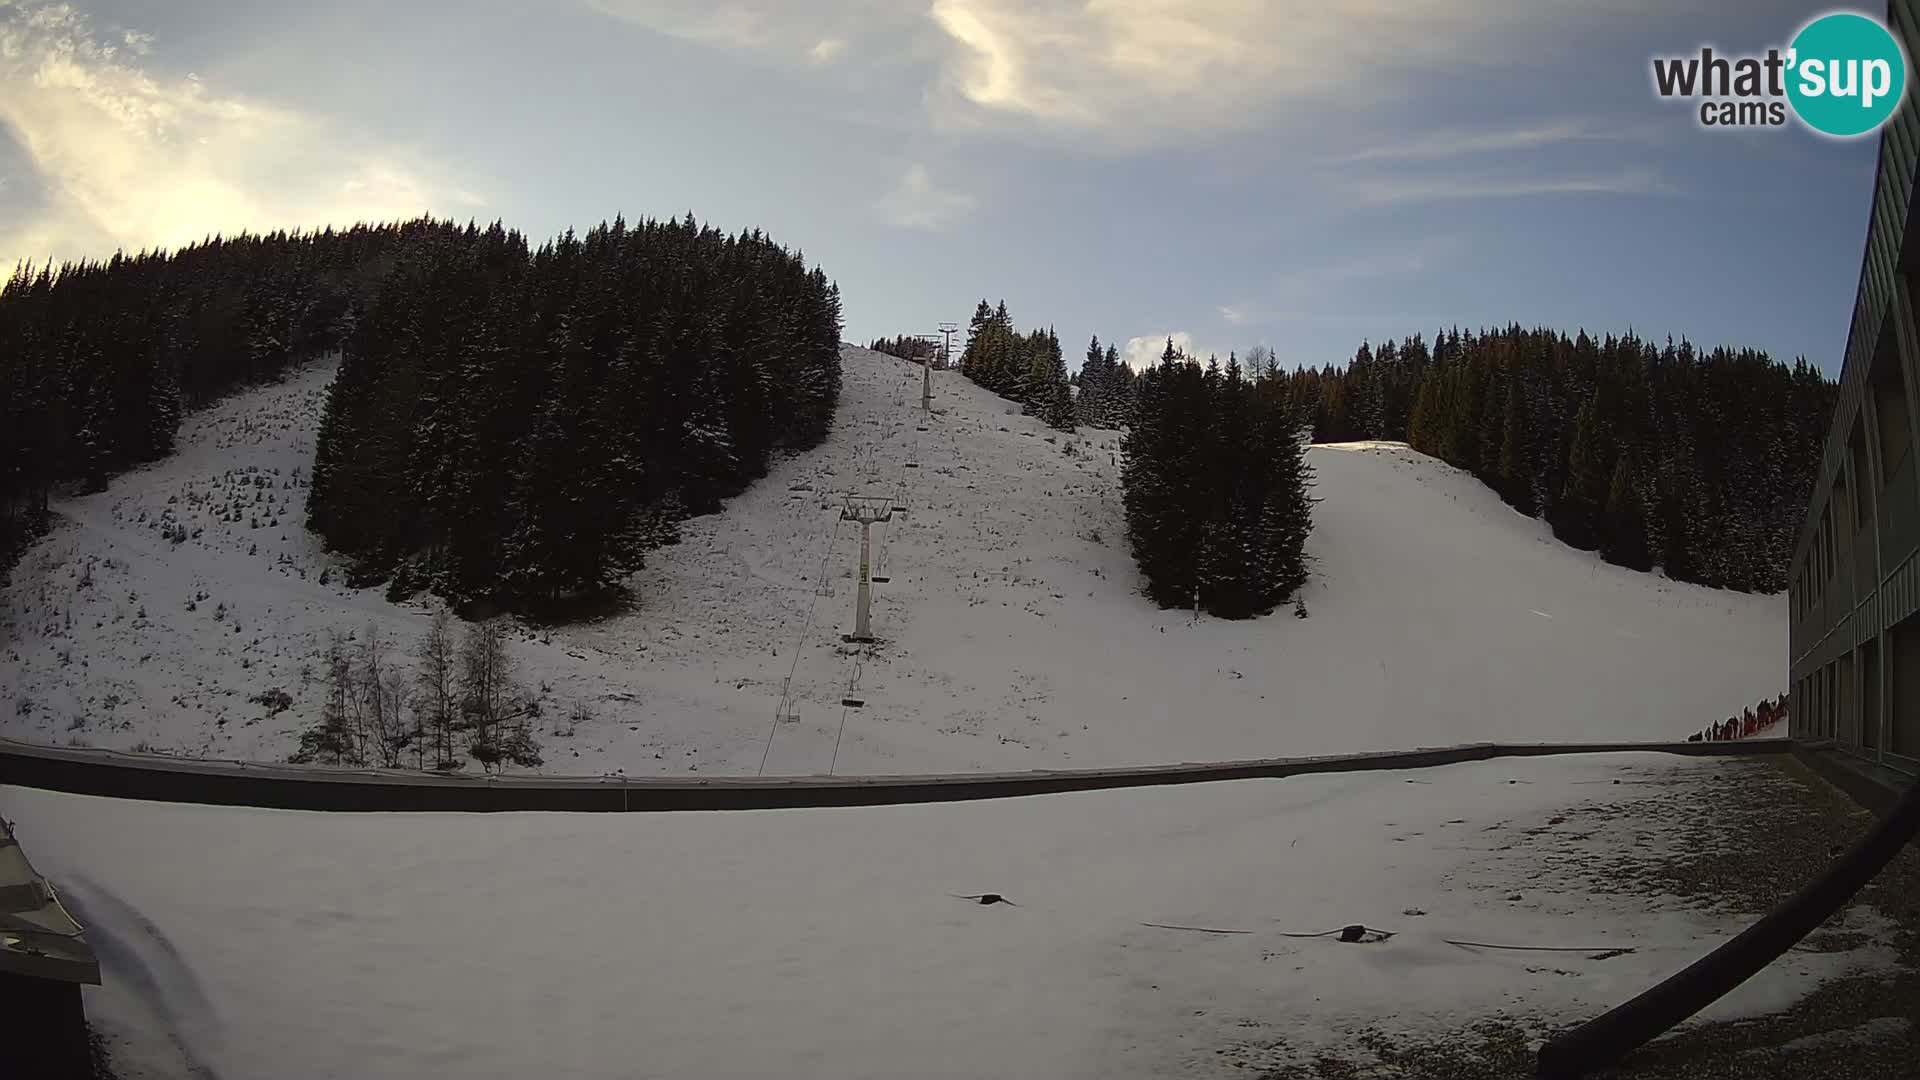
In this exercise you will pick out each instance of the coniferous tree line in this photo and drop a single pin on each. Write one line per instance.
(1215, 485)
(98, 360)
(1025, 368)
(907, 347)
(515, 426)
(1699, 462)
(1104, 388)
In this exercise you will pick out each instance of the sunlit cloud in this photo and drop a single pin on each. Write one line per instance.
(826, 50)
(128, 159)
(777, 31)
(1143, 352)
(1132, 73)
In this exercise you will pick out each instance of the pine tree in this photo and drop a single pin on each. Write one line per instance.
(1215, 489)
(1515, 474)
(1585, 494)
(1624, 529)
(520, 426)
(1162, 529)
(1226, 555)
(1420, 423)
(1119, 404)
(1283, 512)
(1049, 395)
(1095, 382)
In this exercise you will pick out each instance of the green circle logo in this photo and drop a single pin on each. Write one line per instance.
(1845, 74)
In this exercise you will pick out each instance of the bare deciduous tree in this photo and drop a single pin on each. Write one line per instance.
(372, 728)
(483, 676)
(332, 737)
(498, 713)
(376, 702)
(438, 703)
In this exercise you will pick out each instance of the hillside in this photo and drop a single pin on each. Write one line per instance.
(1013, 633)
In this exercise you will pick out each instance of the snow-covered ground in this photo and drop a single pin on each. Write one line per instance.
(1014, 635)
(835, 942)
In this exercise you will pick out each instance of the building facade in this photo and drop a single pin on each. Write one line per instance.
(1854, 589)
(44, 961)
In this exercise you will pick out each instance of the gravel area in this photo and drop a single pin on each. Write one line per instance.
(1738, 836)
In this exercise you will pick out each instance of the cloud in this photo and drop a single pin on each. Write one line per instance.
(129, 159)
(1143, 352)
(730, 25)
(780, 31)
(1297, 295)
(917, 202)
(1129, 73)
(1440, 145)
(1432, 188)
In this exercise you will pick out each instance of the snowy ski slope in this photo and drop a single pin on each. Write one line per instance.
(1013, 632)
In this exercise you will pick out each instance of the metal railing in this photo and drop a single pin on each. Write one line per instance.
(302, 787)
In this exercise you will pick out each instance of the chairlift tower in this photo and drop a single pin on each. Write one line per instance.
(868, 511)
(947, 330)
(926, 374)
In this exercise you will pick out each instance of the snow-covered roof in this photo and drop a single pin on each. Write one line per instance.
(38, 938)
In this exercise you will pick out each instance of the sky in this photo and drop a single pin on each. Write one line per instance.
(1228, 172)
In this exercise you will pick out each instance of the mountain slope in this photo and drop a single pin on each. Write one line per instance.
(1013, 635)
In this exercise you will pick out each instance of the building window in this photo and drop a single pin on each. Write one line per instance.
(1826, 551)
(1899, 497)
(1837, 513)
(1822, 552)
(1870, 694)
(1890, 411)
(1829, 710)
(1842, 714)
(1862, 477)
(1903, 704)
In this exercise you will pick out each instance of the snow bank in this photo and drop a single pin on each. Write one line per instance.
(830, 943)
